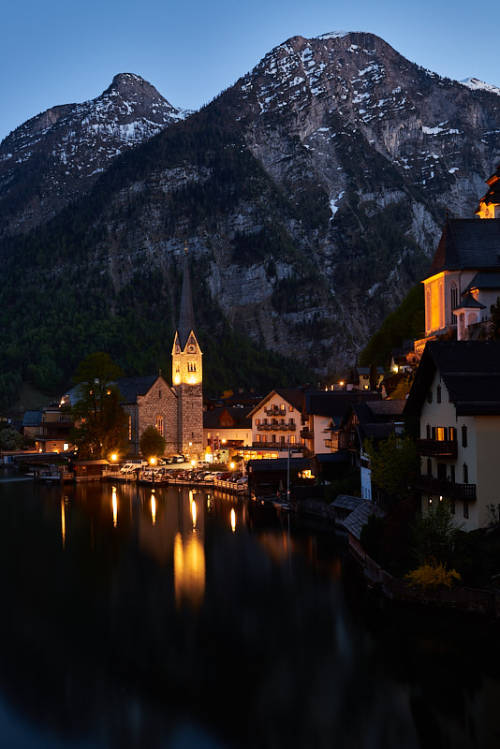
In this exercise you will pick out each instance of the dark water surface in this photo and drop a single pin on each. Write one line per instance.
(176, 619)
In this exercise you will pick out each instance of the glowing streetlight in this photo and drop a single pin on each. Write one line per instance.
(153, 461)
(113, 457)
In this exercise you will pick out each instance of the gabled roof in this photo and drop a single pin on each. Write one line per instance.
(468, 243)
(484, 280)
(470, 371)
(293, 396)
(131, 387)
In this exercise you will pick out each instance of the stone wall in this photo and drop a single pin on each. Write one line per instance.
(190, 419)
(159, 401)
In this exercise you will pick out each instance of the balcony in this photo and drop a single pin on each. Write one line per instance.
(274, 411)
(438, 448)
(441, 487)
(307, 434)
(276, 427)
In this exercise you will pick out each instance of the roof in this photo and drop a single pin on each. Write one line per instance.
(345, 502)
(186, 312)
(293, 396)
(358, 518)
(32, 418)
(388, 407)
(484, 280)
(470, 371)
(131, 387)
(469, 302)
(279, 464)
(341, 456)
(468, 243)
(334, 403)
(225, 417)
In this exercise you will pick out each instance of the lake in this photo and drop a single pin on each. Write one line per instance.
(182, 618)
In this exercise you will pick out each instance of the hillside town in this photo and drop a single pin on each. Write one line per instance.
(314, 450)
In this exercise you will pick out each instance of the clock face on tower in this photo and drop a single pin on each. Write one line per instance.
(191, 348)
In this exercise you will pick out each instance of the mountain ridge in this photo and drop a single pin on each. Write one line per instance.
(311, 193)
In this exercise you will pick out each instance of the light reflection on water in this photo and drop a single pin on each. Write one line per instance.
(139, 618)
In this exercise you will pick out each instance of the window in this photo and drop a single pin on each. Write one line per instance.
(159, 393)
(257, 421)
(282, 407)
(454, 296)
(191, 366)
(292, 439)
(466, 509)
(257, 439)
(290, 408)
(464, 436)
(273, 438)
(438, 394)
(429, 467)
(466, 473)
(159, 424)
(282, 439)
(429, 396)
(440, 434)
(130, 427)
(452, 474)
(428, 432)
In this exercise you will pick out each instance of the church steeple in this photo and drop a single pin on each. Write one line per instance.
(186, 313)
(186, 352)
(187, 373)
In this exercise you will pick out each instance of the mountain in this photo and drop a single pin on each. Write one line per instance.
(57, 156)
(311, 194)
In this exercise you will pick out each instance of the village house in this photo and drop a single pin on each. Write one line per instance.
(454, 406)
(227, 427)
(49, 429)
(276, 420)
(464, 279)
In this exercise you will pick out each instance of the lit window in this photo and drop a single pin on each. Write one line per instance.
(440, 434)
(159, 424)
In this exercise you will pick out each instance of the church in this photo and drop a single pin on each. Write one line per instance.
(176, 410)
(464, 279)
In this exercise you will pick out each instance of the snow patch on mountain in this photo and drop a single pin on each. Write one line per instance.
(476, 85)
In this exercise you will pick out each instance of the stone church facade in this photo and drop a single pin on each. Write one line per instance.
(176, 410)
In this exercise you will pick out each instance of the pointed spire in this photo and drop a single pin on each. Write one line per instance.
(186, 314)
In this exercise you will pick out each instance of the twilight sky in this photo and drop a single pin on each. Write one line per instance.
(61, 51)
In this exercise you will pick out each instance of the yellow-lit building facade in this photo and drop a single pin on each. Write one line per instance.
(464, 279)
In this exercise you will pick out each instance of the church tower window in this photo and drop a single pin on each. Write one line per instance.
(159, 425)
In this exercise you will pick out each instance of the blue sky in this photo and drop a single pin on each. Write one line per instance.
(56, 52)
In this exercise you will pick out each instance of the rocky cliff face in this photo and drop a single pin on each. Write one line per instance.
(311, 193)
(56, 156)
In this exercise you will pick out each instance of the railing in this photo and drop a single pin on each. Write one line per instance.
(275, 445)
(442, 487)
(306, 433)
(276, 427)
(274, 411)
(441, 448)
